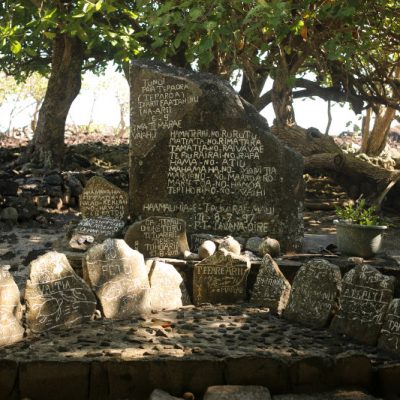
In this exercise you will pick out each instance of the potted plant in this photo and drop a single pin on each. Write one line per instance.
(359, 230)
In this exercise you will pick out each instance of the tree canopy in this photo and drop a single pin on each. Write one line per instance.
(30, 27)
(350, 46)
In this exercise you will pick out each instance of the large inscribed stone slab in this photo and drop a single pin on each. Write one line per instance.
(55, 296)
(389, 338)
(167, 288)
(271, 288)
(315, 293)
(220, 278)
(101, 198)
(118, 276)
(201, 153)
(364, 302)
(11, 329)
(158, 237)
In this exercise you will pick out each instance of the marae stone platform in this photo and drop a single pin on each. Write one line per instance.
(189, 350)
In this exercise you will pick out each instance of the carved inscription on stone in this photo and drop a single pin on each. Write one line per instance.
(55, 296)
(96, 230)
(220, 278)
(389, 338)
(271, 288)
(158, 237)
(315, 292)
(101, 198)
(156, 107)
(211, 217)
(199, 153)
(213, 162)
(11, 329)
(364, 301)
(118, 276)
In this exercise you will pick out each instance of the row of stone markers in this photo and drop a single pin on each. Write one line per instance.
(360, 305)
(117, 280)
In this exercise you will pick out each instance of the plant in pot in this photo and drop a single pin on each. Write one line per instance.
(359, 230)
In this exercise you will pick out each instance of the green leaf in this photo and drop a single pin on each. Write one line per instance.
(50, 14)
(16, 47)
(158, 42)
(98, 5)
(87, 7)
(31, 52)
(346, 11)
(210, 25)
(196, 13)
(81, 15)
(49, 35)
(206, 44)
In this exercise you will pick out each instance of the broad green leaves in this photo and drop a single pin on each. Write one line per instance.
(15, 46)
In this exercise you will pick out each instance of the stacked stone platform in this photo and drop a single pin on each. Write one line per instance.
(189, 350)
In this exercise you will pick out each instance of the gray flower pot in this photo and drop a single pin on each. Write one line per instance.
(359, 240)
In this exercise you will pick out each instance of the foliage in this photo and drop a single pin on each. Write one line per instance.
(359, 214)
(349, 45)
(29, 28)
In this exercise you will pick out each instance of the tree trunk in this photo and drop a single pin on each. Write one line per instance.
(366, 122)
(328, 126)
(374, 141)
(323, 156)
(63, 87)
(282, 99)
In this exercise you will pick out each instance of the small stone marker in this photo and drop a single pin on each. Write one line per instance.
(101, 198)
(95, 230)
(314, 295)
(364, 301)
(55, 296)
(253, 244)
(158, 237)
(269, 246)
(230, 244)
(271, 288)
(220, 278)
(197, 239)
(118, 276)
(11, 329)
(389, 338)
(167, 288)
(199, 152)
(236, 392)
(207, 249)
